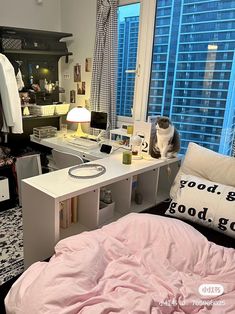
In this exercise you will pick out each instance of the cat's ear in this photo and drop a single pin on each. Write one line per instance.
(158, 119)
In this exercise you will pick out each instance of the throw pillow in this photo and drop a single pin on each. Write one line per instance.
(203, 162)
(205, 202)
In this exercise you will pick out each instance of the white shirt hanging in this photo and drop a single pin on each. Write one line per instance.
(19, 80)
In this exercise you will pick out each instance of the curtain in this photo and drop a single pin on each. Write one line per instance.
(103, 83)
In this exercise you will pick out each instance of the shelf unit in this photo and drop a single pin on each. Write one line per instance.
(35, 50)
(44, 117)
(22, 41)
(42, 195)
(154, 186)
(120, 135)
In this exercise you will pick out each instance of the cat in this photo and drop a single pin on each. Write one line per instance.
(166, 141)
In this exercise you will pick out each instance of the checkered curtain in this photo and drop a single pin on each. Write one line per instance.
(103, 83)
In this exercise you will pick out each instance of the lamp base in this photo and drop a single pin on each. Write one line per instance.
(79, 132)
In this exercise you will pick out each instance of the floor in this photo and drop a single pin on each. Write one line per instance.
(11, 244)
(11, 250)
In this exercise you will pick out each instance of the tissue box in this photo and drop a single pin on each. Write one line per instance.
(4, 189)
(105, 212)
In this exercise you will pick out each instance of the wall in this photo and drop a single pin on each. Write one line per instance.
(79, 18)
(73, 16)
(29, 14)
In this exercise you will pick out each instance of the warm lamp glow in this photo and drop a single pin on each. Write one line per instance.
(80, 115)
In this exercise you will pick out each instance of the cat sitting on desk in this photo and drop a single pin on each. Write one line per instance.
(166, 140)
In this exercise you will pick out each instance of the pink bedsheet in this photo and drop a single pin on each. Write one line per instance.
(140, 264)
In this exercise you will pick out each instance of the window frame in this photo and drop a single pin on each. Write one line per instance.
(143, 61)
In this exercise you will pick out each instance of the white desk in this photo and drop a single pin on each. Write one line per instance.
(62, 144)
(41, 196)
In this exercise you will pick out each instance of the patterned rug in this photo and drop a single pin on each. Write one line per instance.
(11, 244)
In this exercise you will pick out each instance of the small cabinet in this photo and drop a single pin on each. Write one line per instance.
(41, 200)
(133, 194)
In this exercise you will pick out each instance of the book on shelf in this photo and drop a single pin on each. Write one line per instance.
(65, 214)
(68, 212)
(74, 209)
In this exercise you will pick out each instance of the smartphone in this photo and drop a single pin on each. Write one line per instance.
(106, 148)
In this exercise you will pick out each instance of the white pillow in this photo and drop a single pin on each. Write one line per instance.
(205, 163)
(205, 202)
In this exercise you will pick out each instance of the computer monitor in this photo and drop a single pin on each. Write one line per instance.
(99, 120)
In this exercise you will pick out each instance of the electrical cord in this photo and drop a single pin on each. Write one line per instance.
(121, 147)
(97, 167)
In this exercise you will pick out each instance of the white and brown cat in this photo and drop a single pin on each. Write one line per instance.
(166, 140)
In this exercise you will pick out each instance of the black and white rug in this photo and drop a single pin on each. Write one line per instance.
(11, 244)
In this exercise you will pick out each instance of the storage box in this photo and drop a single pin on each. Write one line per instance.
(44, 132)
(11, 43)
(4, 189)
(105, 212)
(61, 108)
(46, 110)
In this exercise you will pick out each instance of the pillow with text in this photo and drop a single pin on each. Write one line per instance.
(203, 162)
(205, 202)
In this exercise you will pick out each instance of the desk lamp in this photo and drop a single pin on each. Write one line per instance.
(80, 115)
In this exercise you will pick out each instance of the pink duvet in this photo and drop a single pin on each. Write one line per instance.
(140, 264)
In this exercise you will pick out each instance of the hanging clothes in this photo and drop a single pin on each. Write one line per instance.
(11, 104)
(1, 114)
(18, 74)
(104, 73)
(19, 80)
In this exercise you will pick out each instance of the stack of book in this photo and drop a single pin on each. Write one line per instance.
(68, 212)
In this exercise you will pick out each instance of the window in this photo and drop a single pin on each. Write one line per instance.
(128, 31)
(143, 52)
(197, 70)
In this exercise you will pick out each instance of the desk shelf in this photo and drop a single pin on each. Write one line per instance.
(35, 117)
(120, 135)
(152, 185)
(42, 196)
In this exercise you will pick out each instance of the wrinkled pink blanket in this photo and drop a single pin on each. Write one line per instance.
(140, 264)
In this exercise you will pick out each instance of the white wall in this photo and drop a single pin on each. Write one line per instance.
(28, 14)
(79, 18)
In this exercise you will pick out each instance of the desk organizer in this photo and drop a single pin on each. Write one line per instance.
(44, 132)
(106, 212)
(61, 109)
(44, 110)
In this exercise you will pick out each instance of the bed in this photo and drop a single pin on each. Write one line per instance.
(143, 263)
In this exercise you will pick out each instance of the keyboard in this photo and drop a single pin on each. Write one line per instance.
(83, 143)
